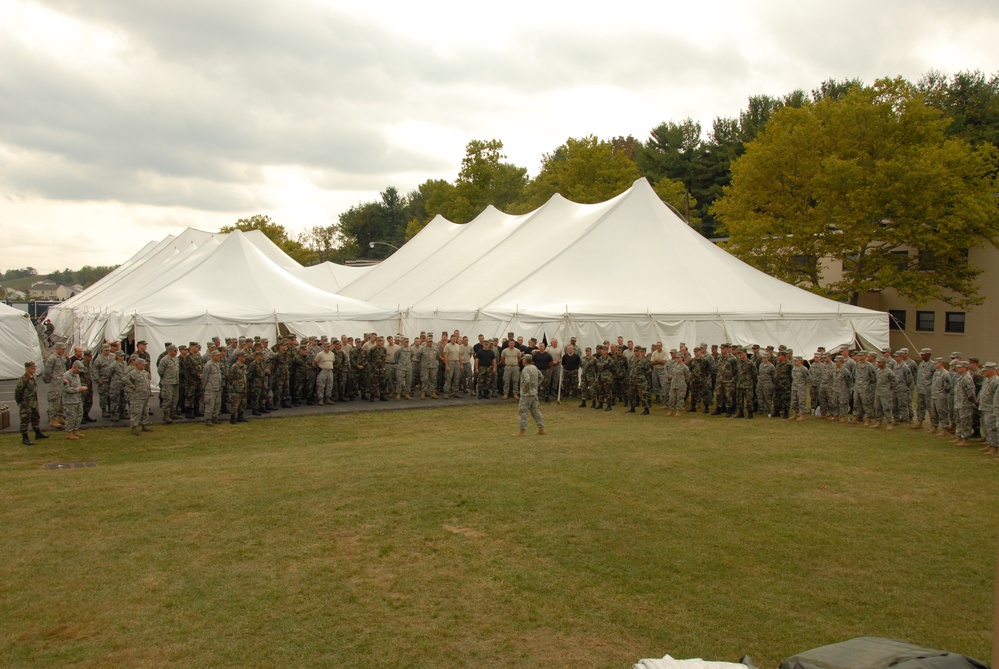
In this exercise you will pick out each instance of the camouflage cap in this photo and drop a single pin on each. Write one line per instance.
(955, 354)
(119, 354)
(991, 365)
(88, 352)
(30, 364)
(105, 347)
(938, 360)
(60, 346)
(961, 363)
(926, 351)
(241, 353)
(797, 358)
(528, 358)
(193, 344)
(171, 347)
(141, 341)
(974, 360)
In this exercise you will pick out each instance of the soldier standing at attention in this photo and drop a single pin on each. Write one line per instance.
(924, 387)
(884, 393)
(26, 396)
(799, 405)
(640, 380)
(765, 385)
(404, 369)
(136, 385)
(211, 383)
(964, 404)
(72, 399)
(530, 380)
(679, 381)
(101, 371)
(237, 388)
(55, 367)
(169, 371)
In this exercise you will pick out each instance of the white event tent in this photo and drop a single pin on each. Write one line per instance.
(628, 266)
(198, 285)
(18, 342)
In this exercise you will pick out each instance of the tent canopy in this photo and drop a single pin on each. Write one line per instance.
(628, 266)
(18, 342)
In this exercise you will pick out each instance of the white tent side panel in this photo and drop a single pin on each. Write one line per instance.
(18, 342)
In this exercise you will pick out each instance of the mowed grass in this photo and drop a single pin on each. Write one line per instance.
(434, 539)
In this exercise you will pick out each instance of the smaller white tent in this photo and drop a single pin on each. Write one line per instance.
(18, 342)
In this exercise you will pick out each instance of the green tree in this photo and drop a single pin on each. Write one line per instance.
(276, 233)
(585, 170)
(678, 198)
(868, 179)
(970, 100)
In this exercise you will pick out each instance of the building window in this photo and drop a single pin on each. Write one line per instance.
(901, 260)
(925, 321)
(896, 319)
(955, 322)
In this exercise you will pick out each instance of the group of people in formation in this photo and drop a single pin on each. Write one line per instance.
(249, 375)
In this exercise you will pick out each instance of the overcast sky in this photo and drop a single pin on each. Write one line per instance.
(123, 122)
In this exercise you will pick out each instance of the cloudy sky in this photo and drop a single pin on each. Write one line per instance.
(125, 121)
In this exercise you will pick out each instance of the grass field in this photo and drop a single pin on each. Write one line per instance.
(433, 539)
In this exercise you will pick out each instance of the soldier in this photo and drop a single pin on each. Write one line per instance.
(325, 361)
(530, 379)
(55, 367)
(725, 377)
(391, 349)
(940, 394)
(192, 365)
(26, 396)
(605, 379)
(376, 371)
(404, 369)
(257, 374)
(117, 388)
(745, 384)
(924, 387)
(640, 381)
(767, 374)
(587, 378)
(136, 386)
(211, 385)
(885, 387)
(842, 383)
(236, 382)
(485, 368)
(429, 359)
(701, 373)
(903, 392)
(658, 359)
(73, 391)
(101, 372)
(568, 371)
(798, 405)
(986, 403)
(87, 380)
(300, 366)
(281, 376)
(975, 372)
(782, 386)
(620, 372)
(679, 382)
(509, 362)
(964, 404)
(864, 382)
(169, 371)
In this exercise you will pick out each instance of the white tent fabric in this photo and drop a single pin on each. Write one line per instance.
(329, 276)
(18, 342)
(628, 266)
(199, 285)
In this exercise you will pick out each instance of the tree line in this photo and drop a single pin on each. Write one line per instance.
(853, 172)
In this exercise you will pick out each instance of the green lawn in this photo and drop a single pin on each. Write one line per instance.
(434, 539)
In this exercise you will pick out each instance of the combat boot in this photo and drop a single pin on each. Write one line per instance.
(423, 395)
(598, 406)
(135, 432)
(541, 430)
(632, 409)
(26, 440)
(434, 395)
(917, 425)
(242, 418)
(520, 434)
(40, 435)
(608, 407)
(582, 404)
(232, 417)
(646, 412)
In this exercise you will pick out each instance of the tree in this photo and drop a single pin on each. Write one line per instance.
(382, 221)
(870, 179)
(678, 198)
(276, 233)
(971, 102)
(585, 170)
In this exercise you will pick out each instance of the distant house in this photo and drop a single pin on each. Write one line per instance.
(16, 295)
(66, 292)
(44, 290)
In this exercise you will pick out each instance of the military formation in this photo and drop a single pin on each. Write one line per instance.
(246, 376)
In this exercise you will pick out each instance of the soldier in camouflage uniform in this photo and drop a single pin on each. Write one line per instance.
(903, 391)
(964, 404)
(300, 387)
(26, 396)
(340, 372)
(885, 387)
(842, 383)
(605, 379)
(404, 370)
(137, 390)
(864, 381)
(211, 384)
(117, 389)
(72, 399)
(101, 371)
(640, 381)
(281, 376)
(940, 392)
(799, 406)
(783, 383)
(530, 380)
(237, 384)
(725, 376)
(87, 380)
(192, 365)
(700, 379)
(986, 404)
(620, 374)
(429, 359)
(376, 370)
(587, 378)
(55, 367)
(745, 384)
(169, 371)
(679, 381)
(924, 387)
(257, 373)
(766, 375)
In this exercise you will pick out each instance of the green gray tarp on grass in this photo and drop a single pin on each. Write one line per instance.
(876, 653)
